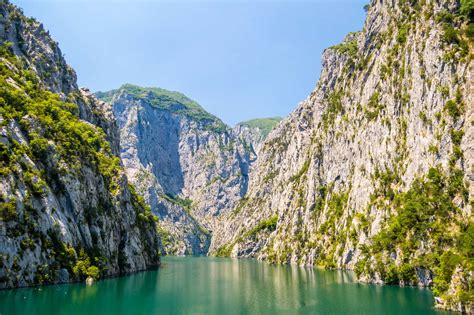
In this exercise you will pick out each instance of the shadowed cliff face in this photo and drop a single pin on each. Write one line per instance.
(373, 171)
(159, 135)
(66, 209)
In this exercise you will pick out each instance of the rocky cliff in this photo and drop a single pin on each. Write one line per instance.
(374, 170)
(253, 132)
(187, 164)
(66, 209)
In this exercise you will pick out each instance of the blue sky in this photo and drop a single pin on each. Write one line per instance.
(239, 59)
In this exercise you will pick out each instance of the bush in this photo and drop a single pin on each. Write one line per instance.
(267, 224)
(402, 34)
(27, 243)
(39, 147)
(93, 272)
(301, 172)
(374, 106)
(225, 250)
(83, 267)
(444, 90)
(467, 9)
(8, 210)
(4, 154)
(333, 109)
(466, 240)
(456, 136)
(184, 203)
(450, 34)
(455, 107)
(359, 267)
(406, 272)
(443, 273)
(445, 17)
(35, 183)
(470, 30)
(390, 274)
(143, 211)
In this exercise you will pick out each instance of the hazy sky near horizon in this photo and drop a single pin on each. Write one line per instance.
(239, 59)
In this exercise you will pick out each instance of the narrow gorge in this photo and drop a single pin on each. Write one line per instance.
(190, 167)
(373, 172)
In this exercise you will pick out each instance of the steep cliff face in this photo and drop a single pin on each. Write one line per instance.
(66, 209)
(253, 132)
(185, 162)
(374, 170)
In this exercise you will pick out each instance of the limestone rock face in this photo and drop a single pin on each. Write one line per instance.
(252, 133)
(186, 163)
(64, 197)
(374, 170)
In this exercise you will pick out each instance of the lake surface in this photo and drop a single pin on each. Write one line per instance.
(204, 285)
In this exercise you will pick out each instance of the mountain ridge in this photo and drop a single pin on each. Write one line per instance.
(347, 180)
(187, 164)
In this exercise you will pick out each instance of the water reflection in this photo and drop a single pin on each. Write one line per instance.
(202, 285)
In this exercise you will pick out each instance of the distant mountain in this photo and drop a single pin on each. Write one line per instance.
(175, 102)
(265, 125)
(187, 164)
(253, 132)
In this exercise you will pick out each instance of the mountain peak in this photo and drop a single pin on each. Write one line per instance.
(264, 124)
(171, 101)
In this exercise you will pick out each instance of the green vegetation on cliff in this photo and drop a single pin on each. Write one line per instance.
(57, 144)
(424, 217)
(167, 100)
(266, 225)
(385, 187)
(264, 124)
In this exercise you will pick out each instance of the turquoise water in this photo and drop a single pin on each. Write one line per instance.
(203, 285)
